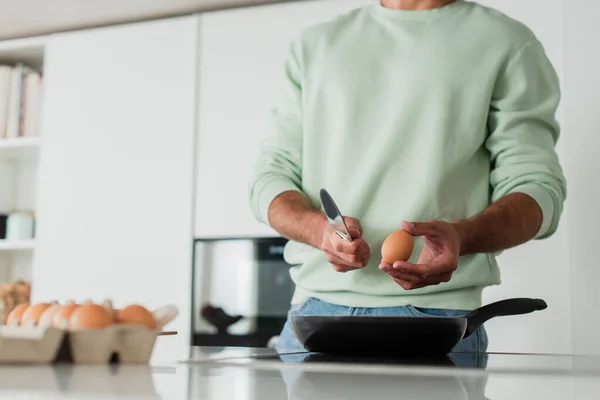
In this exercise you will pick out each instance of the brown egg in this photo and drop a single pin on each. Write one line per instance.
(15, 315)
(136, 315)
(61, 318)
(47, 317)
(32, 315)
(398, 246)
(109, 306)
(90, 316)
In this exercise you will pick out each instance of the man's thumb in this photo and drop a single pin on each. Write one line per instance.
(419, 228)
(354, 232)
(354, 227)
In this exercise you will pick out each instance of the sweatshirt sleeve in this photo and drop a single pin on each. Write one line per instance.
(523, 133)
(279, 165)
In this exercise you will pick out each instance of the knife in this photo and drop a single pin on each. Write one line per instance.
(336, 219)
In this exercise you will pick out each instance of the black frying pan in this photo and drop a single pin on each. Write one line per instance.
(407, 336)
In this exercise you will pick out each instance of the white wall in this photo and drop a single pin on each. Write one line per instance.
(116, 167)
(241, 59)
(563, 269)
(537, 269)
(582, 122)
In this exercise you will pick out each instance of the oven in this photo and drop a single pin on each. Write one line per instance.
(241, 291)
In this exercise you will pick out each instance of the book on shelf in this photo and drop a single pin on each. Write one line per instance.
(30, 105)
(5, 79)
(20, 98)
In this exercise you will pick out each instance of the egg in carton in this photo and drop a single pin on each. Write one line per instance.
(23, 340)
(82, 333)
(101, 334)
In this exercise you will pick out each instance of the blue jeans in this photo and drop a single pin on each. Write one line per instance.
(476, 343)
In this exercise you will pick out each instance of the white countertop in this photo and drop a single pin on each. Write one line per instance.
(261, 374)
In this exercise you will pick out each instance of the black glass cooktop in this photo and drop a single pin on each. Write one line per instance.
(507, 362)
(463, 360)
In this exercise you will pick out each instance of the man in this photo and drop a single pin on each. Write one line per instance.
(434, 116)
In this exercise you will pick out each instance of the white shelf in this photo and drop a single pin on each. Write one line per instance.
(16, 148)
(14, 245)
(20, 142)
(23, 43)
(27, 50)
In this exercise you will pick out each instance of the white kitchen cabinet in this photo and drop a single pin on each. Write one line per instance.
(116, 169)
(242, 53)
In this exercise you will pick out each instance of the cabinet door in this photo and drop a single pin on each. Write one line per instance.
(116, 167)
(241, 55)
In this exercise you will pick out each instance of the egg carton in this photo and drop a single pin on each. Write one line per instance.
(126, 344)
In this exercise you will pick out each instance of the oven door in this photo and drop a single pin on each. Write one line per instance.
(242, 291)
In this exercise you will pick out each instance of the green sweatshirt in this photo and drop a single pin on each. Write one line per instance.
(411, 115)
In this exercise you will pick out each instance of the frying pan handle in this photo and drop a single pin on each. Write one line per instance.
(517, 306)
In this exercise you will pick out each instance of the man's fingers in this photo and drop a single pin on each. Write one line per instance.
(355, 233)
(342, 268)
(334, 259)
(411, 276)
(354, 227)
(429, 228)
(410, 285)
(426, 271)
(344, 255)
(340, 264)
(364, 253)
(340, 245)
(385, 267)
(349, 251)
(444, 277)
(397, 275)
(412, 269)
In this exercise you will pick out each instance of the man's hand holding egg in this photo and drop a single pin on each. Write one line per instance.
(437, 261)
(346, 256)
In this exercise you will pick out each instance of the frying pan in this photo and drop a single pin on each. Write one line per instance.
(405, 336)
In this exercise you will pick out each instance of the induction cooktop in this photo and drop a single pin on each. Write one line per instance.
(489, 362)
(463, 360)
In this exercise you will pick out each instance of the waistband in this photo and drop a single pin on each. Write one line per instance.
(468, 298)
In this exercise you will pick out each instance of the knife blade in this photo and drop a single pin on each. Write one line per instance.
(336, 220)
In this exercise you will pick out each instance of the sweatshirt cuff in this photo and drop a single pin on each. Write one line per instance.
(546, 202)
(268, 193)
